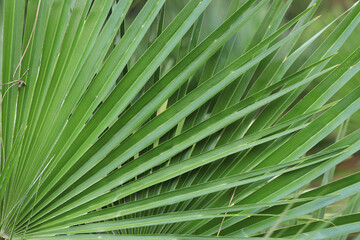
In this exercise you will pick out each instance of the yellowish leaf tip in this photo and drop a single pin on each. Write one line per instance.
(332, 55)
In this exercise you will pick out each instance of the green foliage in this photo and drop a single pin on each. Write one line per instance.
(127, 120)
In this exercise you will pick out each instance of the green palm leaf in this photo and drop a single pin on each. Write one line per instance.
(119, 121)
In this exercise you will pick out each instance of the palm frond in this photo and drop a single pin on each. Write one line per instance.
(119, 121)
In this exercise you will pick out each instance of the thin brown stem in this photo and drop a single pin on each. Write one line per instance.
(2, 99)
(31, 35)
(20, 83)
(8, 83)
(222, 221)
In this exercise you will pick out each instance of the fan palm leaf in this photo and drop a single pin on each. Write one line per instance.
(119, 122)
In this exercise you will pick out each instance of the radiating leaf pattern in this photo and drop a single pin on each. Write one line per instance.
(119, 121)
